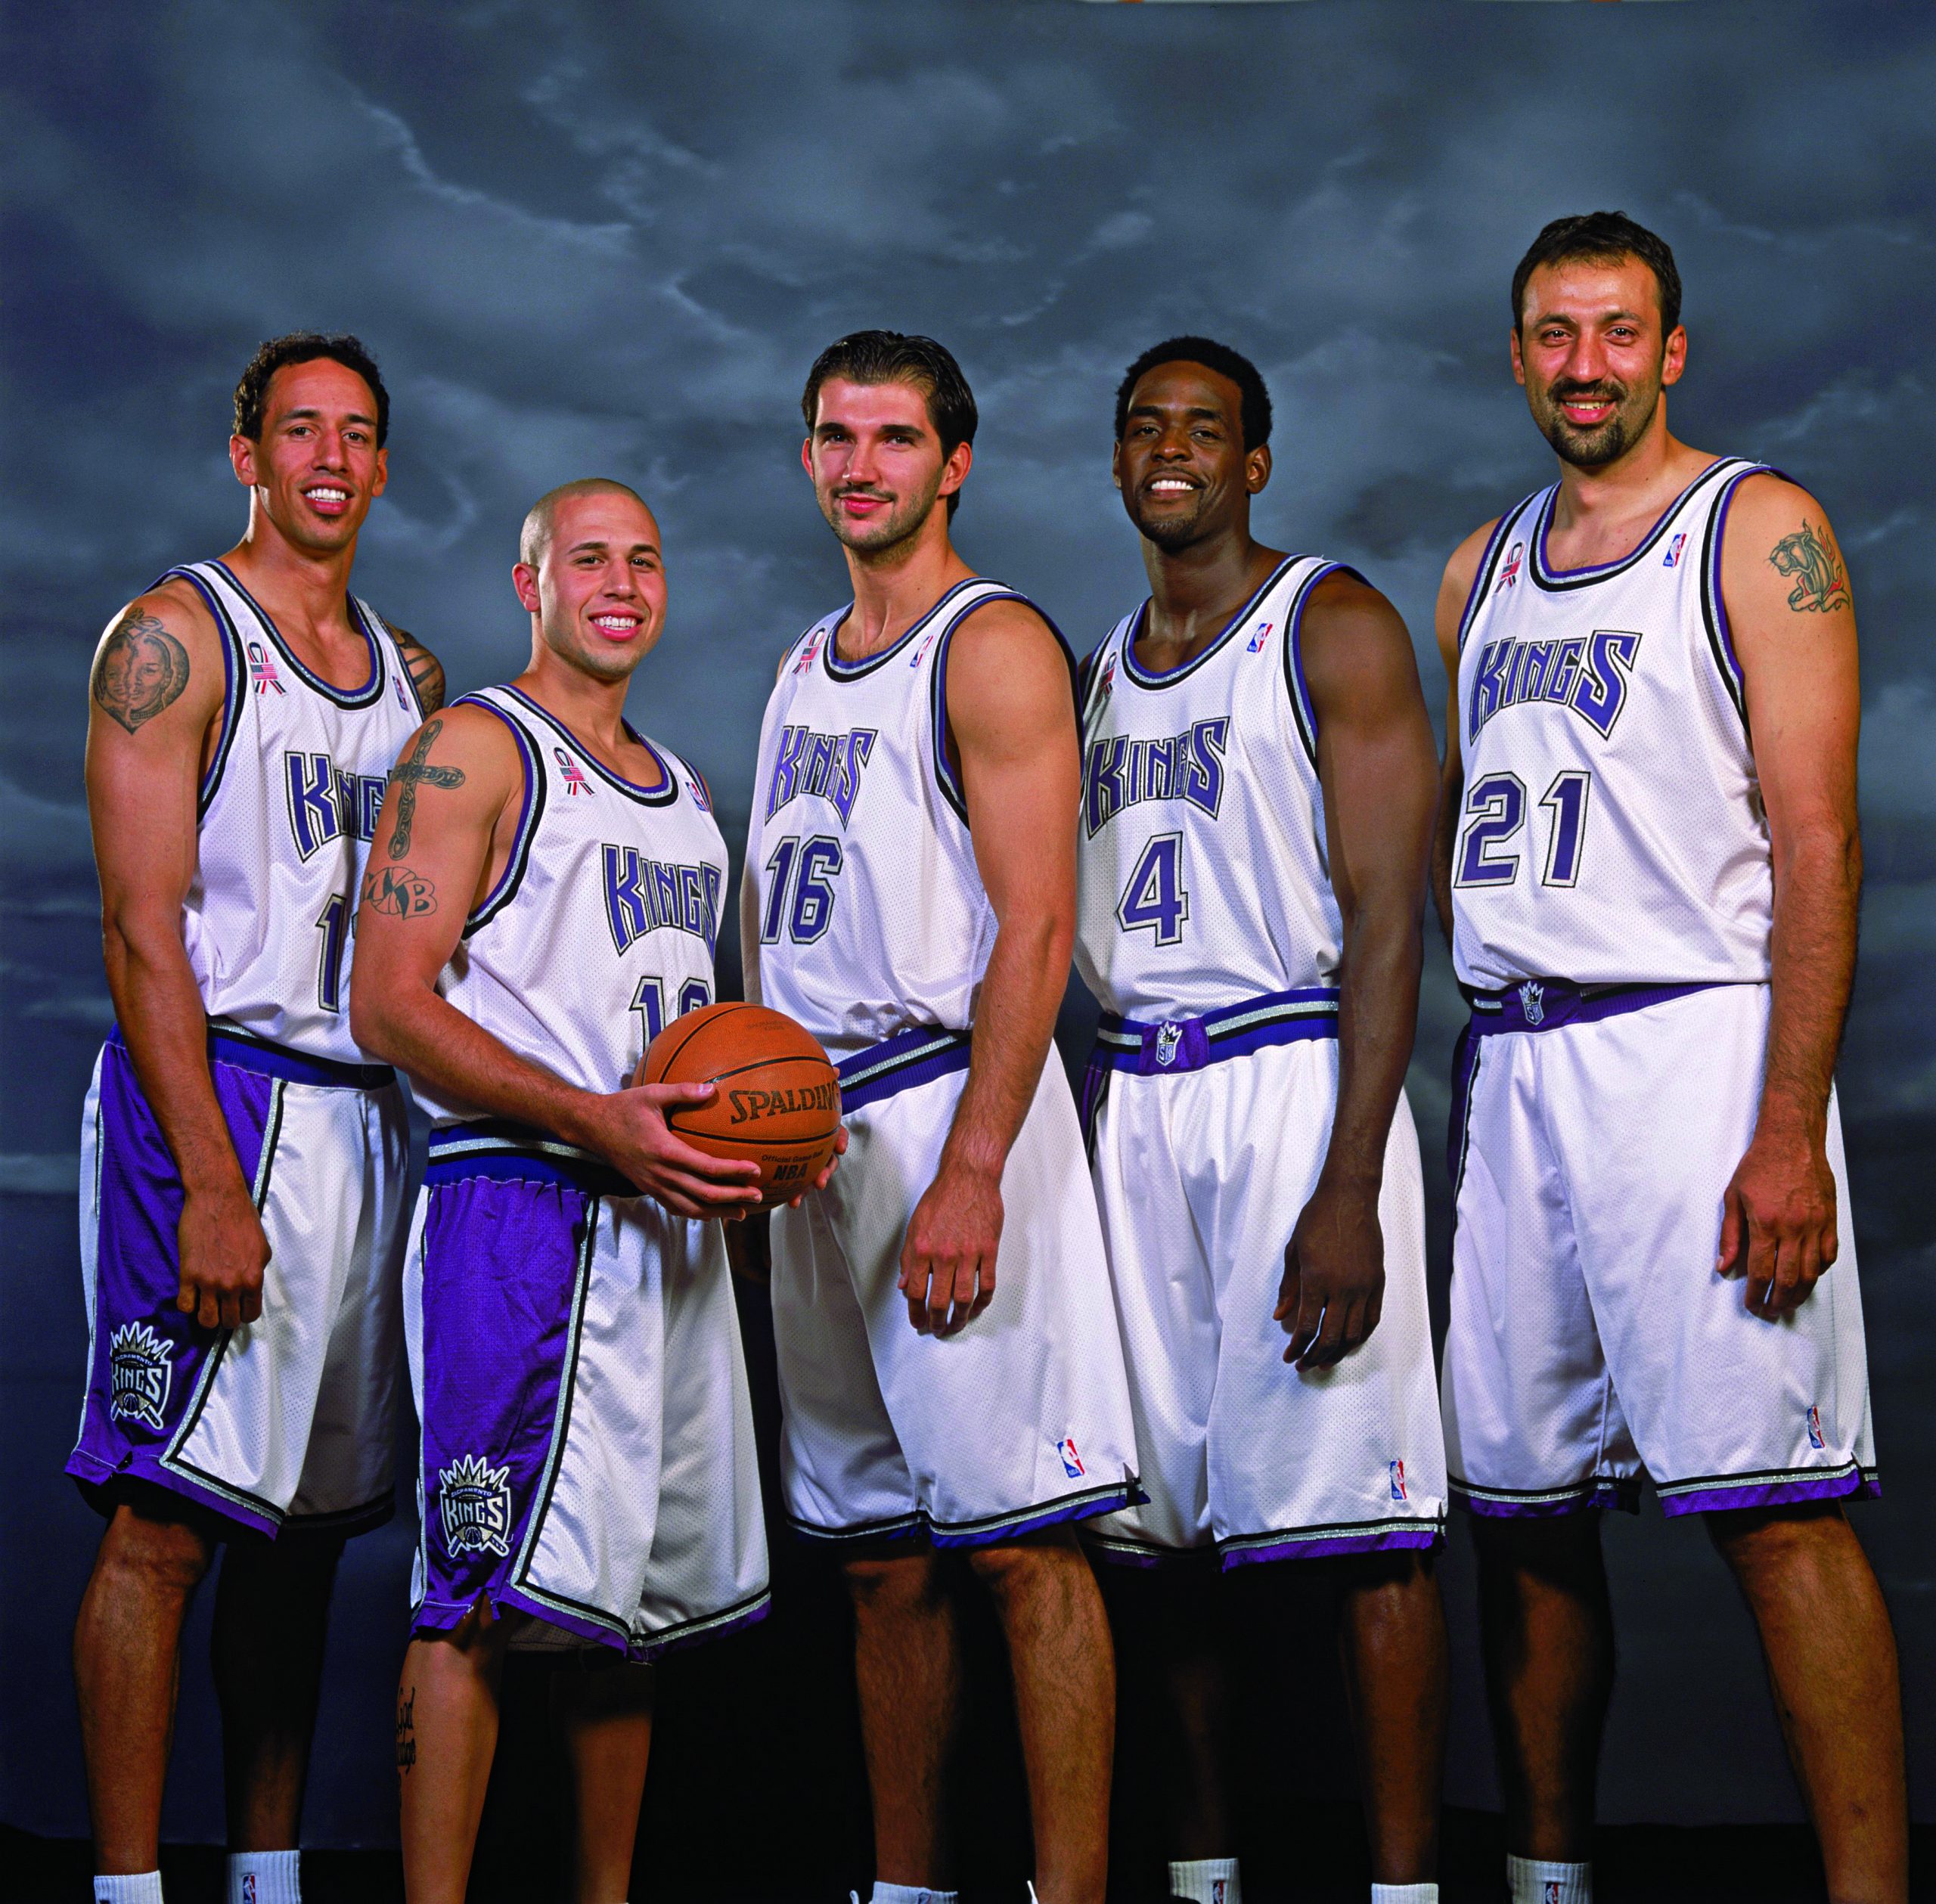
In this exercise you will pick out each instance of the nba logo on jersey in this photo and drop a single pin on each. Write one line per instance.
(1071, 1462)
(701, 799)
(575, 780)
(1672, 559)
(474, 1503)
(401, 701)
(1219, 1889)
(1552, 1893)
(1109, 675)
(1532, 1001)
(1257, 640)
(1815, 1429)
(248, 1888)
(1397, 1471)
(140, 1366)
(1510, 573)
(261, 671)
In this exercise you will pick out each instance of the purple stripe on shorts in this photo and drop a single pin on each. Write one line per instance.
(150, 1360)
(1172, 1045)
(1718, 1496)
(1623, 1494)
(1051, 1514)
(1374, 1540)
(1545, 1004)
(503, 1264)
(699, 1632)
(899, 1063)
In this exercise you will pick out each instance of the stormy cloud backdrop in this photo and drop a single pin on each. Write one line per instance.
(586, 239)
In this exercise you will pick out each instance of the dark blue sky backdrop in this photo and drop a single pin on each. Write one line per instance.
(587, 239)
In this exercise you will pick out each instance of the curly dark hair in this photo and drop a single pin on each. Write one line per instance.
(305, 347)
(1255, 418)
(1602, 237)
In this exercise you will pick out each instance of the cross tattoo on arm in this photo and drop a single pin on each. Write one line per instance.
(409, 776)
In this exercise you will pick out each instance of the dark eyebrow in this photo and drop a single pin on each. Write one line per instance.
(594, 545)
(1194, 410)
(353, 416)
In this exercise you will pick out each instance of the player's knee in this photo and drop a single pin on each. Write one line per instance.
(1021, 1566)
(154, 1555)
(890, 1584)
(1765, 1544)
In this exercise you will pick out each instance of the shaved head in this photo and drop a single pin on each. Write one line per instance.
(534, 540)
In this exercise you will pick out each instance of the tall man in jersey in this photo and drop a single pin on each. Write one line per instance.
(949, 1362)
(242, 1168)
(545, 888)
(1257, 800)
(1648, 863)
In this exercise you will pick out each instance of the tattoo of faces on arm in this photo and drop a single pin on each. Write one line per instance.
(427, 672)
(398, 891)
(141, 670)
(1811, 560)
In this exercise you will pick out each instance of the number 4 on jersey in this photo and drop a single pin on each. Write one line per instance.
(1154, 899)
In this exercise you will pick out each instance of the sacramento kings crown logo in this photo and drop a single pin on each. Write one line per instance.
(1532, 1002)
(474, 1501)
(140, 1367)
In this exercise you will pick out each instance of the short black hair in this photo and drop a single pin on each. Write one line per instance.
(305, 347)
(1254, 417)
(901, 357)
(1601, 236)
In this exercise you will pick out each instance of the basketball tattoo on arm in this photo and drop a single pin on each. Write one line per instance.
(400, 892)
(1811, 557)
(141, 669)
(426, 670)
(409, 776)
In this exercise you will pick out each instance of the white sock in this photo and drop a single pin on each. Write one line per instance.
(1532, 1881)
(912, 1894)
(144, 1889)
(264, 1877)
(1404, 1894)
(1206, 1880)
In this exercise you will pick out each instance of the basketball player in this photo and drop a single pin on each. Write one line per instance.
(1648, 864)
(1256, 823)
(949, 1364)
(544, 891)
(242, 1161)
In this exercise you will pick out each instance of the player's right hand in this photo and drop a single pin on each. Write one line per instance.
(630, 1132)
(223, 1254)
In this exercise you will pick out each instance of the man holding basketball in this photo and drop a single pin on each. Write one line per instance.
(949, 1362)
(544, 890)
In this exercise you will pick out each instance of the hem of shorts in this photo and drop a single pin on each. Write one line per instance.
(986, 1532)
(92, 1471)
(1385, 1536)
(1536, 1504)
(1719, 1494)
(348, 1522)
(443, 1616)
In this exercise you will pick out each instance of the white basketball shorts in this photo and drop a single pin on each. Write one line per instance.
(1019, 1421)
(587, 1452)
(288, 1421)
(1207, 1144)
(1592, 1337)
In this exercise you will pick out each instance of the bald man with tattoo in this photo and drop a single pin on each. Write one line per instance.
(243, 1199)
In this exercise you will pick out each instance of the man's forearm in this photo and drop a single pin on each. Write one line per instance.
(1015, 1023)
(429, 1038)
(1818, 881)
(1445, 831)
(165, 1025)
(1377, 1009)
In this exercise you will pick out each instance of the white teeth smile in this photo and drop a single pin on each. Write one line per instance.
(1171, 485)
(328, 495)
(616, 623)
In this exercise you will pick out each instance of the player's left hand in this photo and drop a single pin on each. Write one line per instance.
(948, 1259)
(1333, 1290)
(826, 1176)
(1778, 1219)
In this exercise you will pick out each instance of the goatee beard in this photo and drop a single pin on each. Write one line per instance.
(1591, 449)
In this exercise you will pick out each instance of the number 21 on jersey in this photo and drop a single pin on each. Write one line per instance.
(1497, 809)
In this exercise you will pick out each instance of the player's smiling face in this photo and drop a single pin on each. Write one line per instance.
(599, 591)
(1184, 473)
(317, 468)
(1590, 352)
(876, 462)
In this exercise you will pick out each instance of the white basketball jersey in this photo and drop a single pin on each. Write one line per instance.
(872, 916)
(601, 928)
(285, 815)
(1612, 830)
(1203, 878)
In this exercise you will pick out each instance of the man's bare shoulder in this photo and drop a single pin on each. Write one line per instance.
(468, 734)
(426, 670)
(1345, 603)
(161, 650)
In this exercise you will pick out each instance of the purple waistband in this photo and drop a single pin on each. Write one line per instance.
(246, 1052)
(899, 1063)
(1545, 1004)
(1231, 1031)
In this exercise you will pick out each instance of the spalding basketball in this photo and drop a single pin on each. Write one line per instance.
(778, 1100)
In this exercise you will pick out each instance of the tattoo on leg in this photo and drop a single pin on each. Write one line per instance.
(398, 891)
(406, 1730)
(413, 773)
(1810, 557)
(141, 669)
